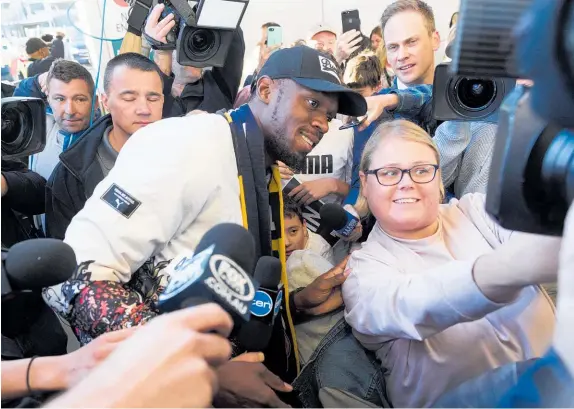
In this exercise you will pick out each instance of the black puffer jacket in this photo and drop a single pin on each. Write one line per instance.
(74, 179)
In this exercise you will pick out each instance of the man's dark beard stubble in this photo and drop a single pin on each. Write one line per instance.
(278, 149)
(277, 145)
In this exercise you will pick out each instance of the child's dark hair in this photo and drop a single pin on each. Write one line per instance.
(292, 209)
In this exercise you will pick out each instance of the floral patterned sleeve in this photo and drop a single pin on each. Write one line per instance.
(105, 306)
(94, 307)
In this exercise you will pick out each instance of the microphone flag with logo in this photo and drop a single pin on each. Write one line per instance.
(219, 270)
(255, 335)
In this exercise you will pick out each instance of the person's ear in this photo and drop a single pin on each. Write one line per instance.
(105, 101)
(363, 178)
(435, 40)
(441, 188)
(264, 88)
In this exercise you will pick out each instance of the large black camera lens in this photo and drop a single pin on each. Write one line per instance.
(475, 94)
(23, 127)
(198, 46)
(15, 135)
(201, 41)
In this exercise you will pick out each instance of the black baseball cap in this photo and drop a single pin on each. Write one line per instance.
(312, 69)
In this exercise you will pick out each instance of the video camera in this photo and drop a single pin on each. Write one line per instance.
(23, 127)
(531, 182)
(469, 98)
(203, 34)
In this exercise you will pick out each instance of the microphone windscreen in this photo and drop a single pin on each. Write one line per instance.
(268, 272)
(38, 263)
(333, 216)
(233, 241)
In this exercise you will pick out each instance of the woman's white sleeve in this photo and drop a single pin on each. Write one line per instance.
(386, 303)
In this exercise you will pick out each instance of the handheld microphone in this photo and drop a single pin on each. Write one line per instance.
(255, 335)
(34, 264)
(335, 218)
(219, 270)
(325, 218)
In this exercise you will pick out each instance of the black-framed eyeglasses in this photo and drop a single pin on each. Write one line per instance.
(389, 176)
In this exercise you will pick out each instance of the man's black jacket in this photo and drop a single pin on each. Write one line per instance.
(216, 89)
(74, 179)
(57, 50)
(25, 196)
(40, 66)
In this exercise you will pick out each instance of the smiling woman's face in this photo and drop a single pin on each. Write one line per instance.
(406, 210)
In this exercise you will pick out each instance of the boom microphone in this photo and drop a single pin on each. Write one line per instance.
(255, 335)
(218, 271)
(35, 264)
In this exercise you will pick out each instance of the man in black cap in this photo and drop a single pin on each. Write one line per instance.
(39, 54)
(176, 179)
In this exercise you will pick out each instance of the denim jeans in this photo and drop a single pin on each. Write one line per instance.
(341, 368)
(486, 390)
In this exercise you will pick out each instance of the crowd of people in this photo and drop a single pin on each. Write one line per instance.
(427, 303)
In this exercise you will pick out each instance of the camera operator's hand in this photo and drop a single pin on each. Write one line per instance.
(347, 44)
(166, 363)
(157, 29)
(249, 384)
(4, 186)
(323, 295)
(376, 105)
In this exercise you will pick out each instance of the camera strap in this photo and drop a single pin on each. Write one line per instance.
(158, 45)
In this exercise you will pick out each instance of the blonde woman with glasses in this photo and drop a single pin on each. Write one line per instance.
(440, 291)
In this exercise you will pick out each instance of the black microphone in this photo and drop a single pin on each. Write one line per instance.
(335, 218)
(219, 270)
(255, 335)
(34, 264)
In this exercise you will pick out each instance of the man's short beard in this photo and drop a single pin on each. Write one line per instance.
(278, 148)
(61, 125)
(277, 144)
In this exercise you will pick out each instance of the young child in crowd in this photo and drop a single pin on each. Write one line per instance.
(308, 256)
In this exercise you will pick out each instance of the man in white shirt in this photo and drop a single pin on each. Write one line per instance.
(165, 192)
